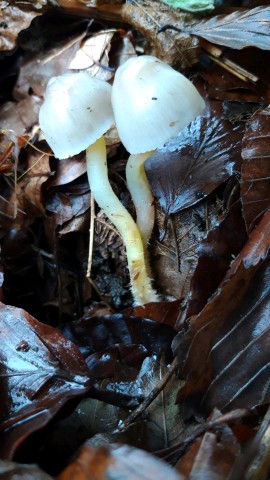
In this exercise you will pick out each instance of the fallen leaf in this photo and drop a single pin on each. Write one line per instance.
(94, 334)
(93, 55)
(194, 163)
(211, 456)
(40, 371)
(255, 173)
(12, 21)
(178, 49)
(225, 352)
(240, 29)
(117, 462)
(68, 170)
(215, 254)
(38, 68)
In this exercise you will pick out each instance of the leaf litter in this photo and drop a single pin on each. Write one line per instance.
(92, 360)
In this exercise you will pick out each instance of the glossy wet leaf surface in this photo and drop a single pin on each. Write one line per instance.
(40, 371)
(195, 163)
(255, 184)
(230, 367)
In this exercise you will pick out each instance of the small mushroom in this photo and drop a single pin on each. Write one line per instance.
(75, 115)
(152, 102)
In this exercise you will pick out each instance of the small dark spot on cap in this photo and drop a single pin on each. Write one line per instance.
(154, 98)
(171, 124)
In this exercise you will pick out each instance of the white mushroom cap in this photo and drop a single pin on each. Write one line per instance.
(152, 102)
(76, 112)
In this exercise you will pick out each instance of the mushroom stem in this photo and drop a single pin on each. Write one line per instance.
(107, 200)
(141, 194)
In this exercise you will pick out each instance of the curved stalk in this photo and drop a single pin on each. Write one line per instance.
(141, 194)
(107, 200)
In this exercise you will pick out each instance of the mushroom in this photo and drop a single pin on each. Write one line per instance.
(75, 115)
(152, 102)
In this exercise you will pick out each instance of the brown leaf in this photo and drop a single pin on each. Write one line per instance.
(122, 462)
(68, 170)
(12, 21)
(240, 29)
(94, 334)
(20, 116)
(255, 174)
(215, 252)
(227, 344)
(180, 50)
(40, 371)
(38, 68)
(211, 456)
(193, 164)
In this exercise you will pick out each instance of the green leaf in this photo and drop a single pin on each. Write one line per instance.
(191, 5)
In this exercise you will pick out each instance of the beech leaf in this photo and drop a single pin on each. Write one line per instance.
(39, 369)
(194, 163)
(227, 344)
(240, 29)
(119, 462)
(255, 174)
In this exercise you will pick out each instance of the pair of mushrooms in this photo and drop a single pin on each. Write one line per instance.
(149, 102)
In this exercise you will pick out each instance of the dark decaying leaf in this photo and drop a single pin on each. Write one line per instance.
(195, 163)
(240, 29)
(211, 456)
(123, 461)
(226, 349)
(40, 371)
(93, 334)
(255, 174)
(254, 462)
(216, 252)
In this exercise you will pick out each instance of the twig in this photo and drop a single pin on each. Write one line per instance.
(147, 401)
(91, 236)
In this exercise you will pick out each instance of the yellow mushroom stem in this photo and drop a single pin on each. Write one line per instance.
(141, 194)
(107, 200)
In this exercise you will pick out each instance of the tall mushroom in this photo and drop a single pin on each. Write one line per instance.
(75, 115)
(152, 102)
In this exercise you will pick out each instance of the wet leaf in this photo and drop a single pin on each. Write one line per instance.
(117, 462)
(240, 29)
(195, 163)
(21, 116)
(93, 334)
(215, 254)
(227, 343)
(40, 371)
(210, 456)
(255, 174)
(12, 20)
